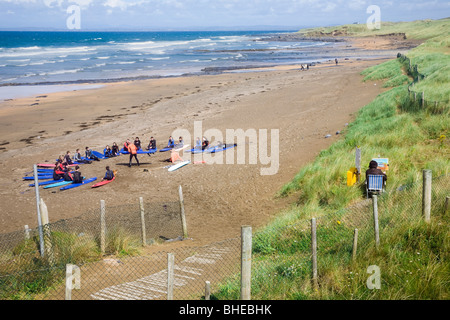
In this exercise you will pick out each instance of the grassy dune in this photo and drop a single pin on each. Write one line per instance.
(413, 255)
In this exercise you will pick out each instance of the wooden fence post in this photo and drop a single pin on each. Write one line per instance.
(375, 220)
(46, 231)
(182, 212)
(170, 275)
(144, 235)
(27, 232)
(426, 196)
(246, 262)
(447, 200)
(102, 226)
(423, 99)
(207, 290)
(358, 164)
(314, 252)
(355, 244)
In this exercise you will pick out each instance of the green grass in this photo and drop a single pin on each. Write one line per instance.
(413, 255)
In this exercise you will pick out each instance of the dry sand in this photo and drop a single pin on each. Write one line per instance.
(304, 106)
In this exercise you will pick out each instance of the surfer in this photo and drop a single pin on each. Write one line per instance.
(137, 143)
(126, 144)
(171, 142)
(58, 171)
(180, 141)
(76, 175)
(133, 153)
(90, 155)
(108, 152)
(67, 159)
(205, 143)
(151, 144)
(115, 149)
(77, 157)
(198, 143)
(109, 175)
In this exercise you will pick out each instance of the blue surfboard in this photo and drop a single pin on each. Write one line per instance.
(98, 154)
(221, 148)
(39, 177)
(140, 151)
(43, 183)
(74, 185)
(57, 184)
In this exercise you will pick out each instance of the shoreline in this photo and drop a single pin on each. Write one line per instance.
(345, 48)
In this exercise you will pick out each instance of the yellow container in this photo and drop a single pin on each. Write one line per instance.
(351, 176)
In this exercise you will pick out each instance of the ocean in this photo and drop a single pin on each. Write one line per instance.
(62, 58)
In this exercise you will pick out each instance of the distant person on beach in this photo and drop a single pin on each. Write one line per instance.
(151, 144)
(77, 157)
(171, 142)
(373, 170)
(180, 141)
(133, 153)
(336, 60)
(90, 155)
(109, 174)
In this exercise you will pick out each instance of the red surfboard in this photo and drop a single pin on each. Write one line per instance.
(102, 183)
(49, 165)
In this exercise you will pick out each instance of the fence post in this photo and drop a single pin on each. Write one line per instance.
(183, 216)
(170, 279)
(423, 99)
(46, 231)
(355, 244)
(314, 252)
(73, 273)
(358, 163)
(375, 220)
(41, 233)
(102, 226)
(246, 262)
(426, 196)
(27, 232)
(447, 200)
(207, 290)
(144, 235)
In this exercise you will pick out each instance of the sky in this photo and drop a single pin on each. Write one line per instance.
(206, 14)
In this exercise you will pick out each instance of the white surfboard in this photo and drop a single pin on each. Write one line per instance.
(181, 148)
(179, 165)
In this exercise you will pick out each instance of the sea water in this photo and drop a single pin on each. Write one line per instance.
(61, 58)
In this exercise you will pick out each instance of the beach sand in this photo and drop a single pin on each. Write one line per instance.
(304, 106)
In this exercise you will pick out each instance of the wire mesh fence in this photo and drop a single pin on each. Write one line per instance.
(284, 264)
(418, 99)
